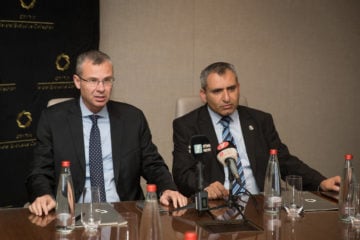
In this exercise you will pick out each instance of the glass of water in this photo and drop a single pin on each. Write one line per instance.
(293, 198)
(90, 214)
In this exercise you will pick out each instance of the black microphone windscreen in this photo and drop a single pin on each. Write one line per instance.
(199, 144)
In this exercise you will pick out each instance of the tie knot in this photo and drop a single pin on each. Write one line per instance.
(225, 121)
(94, 118)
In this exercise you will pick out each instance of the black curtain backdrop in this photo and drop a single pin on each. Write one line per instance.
(39, 43)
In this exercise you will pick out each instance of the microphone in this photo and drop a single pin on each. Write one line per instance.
(227, 155)
(200, 144)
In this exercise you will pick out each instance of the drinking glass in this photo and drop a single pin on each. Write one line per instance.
(354, 210)
(90, 215)
(293, 199)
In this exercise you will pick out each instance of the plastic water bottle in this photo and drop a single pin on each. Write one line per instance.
(150, 225)
(190, 235)
(272, 190)
(345, 197)
(272, 227)
(65, 200)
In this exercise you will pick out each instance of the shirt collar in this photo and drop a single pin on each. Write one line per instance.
(85, 112)
(215, 117)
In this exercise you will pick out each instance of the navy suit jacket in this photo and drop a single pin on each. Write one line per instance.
(260, 136)
(60, 137)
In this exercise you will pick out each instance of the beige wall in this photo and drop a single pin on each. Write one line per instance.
(297, 59)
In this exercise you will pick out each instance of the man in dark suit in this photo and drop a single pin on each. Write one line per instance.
(253, 132)
(128, 152)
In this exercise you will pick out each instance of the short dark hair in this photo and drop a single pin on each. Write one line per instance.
(217, 67)
(97, 57)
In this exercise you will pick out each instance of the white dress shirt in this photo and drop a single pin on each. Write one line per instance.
(105, 134)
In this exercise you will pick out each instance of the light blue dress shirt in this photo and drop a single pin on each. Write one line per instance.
(236, 132)
(104, 127)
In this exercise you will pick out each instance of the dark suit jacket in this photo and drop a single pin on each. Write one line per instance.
(260, 136)
(60, 137)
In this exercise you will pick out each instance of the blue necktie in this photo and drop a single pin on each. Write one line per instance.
(226, 135)
(95, 158)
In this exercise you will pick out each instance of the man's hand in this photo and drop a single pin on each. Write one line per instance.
(216, 190)
(177, 199)
(331, 184)
(42, 205)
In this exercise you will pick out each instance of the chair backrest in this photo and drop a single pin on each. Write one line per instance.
(57, 100)
(186, 104)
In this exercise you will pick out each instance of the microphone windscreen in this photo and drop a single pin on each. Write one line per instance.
(223, 145)
(199, 144)
(199, 139)
(226, 153)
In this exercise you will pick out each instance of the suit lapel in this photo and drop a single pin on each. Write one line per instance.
(206, 126)
(249, 130)
(76, 129)
(116, 129)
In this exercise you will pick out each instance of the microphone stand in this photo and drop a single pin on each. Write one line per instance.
(247, 193)
(232, 201)
(201, 197)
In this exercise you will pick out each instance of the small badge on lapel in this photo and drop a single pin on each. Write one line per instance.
(251, 127)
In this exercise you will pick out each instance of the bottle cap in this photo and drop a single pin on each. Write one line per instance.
(151, 188)
(65, 163)
(348, 156)
(190, 235)
(273, 151)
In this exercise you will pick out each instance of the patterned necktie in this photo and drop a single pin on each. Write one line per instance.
(226, 135)
(95, 158)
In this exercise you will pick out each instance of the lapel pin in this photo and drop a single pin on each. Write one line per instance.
(251, 127)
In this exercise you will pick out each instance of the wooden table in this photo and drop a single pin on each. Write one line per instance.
(20, 224)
